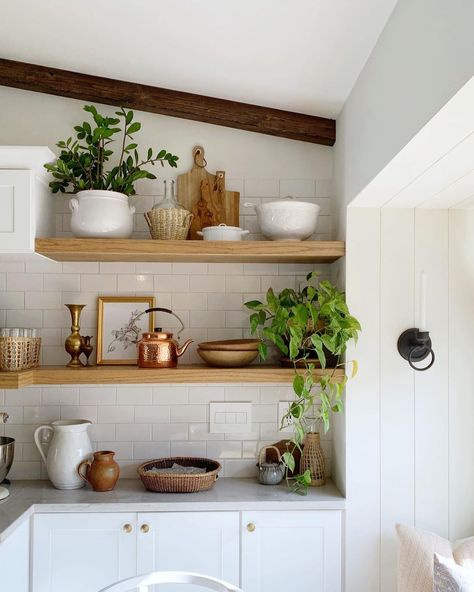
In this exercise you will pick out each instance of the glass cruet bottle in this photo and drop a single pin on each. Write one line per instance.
(169, 201)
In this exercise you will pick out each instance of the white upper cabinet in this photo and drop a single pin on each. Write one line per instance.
(26, 203)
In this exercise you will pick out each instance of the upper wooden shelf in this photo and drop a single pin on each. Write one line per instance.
(96, 249)
(199, 373)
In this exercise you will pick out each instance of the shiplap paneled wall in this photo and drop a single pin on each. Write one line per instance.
(409, 435)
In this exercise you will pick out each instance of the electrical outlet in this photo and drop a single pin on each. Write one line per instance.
(283, 407)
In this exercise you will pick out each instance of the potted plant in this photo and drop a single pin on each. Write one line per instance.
(306, 325)
(101, 208)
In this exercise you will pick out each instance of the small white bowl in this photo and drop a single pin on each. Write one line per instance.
(286, 219)
(222, 233)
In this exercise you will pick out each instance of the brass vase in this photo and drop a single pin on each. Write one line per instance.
(74, 342)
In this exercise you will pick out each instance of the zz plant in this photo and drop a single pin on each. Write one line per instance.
(82, 162)
(307, 326)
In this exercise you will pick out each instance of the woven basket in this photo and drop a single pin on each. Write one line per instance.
(176, 483)
(313, 459)
(19, 353)
(169, 223)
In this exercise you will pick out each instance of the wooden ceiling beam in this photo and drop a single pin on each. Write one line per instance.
(97, 89)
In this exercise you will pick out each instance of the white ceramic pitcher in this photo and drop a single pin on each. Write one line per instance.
(69, 446)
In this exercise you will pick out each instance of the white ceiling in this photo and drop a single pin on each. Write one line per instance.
(300, 55)
(436, 168)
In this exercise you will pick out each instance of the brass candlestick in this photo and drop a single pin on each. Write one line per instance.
(75, 342)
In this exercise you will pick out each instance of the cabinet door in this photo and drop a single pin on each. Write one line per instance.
(82, 552)
(16, 216)
(200, 542)
(15, 560)
(296, 550)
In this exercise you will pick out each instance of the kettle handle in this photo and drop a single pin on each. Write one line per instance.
(82, 464)
(264, 449)
(39, 445)
(168, 311)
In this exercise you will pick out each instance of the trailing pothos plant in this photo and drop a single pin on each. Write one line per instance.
(81, 165)
(308, 326)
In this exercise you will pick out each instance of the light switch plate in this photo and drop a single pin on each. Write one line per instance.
(282, 411)
(233, 418)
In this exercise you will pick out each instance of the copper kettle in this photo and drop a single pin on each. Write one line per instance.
(158, 349)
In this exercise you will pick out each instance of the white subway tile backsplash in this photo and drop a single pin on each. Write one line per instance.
(208, 283)
(24, 282)
(12, 300)
(98, 396)
(41, 414)
(42, 300)
(135, 283)
(116, 414)
(62, 282)
(133, 432)
(98, 283)
(137, 421)
(152, 414)
(134, 395)
(188, 449)
(189, 301)
(170, 395)
(166, 432)
(171, 283)
(298, 187)
(149, 450)
(242, 284)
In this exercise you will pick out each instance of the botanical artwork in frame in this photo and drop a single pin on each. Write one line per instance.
(120, 327)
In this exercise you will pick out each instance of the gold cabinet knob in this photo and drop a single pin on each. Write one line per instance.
(145, 528)
(127, 528)
(250, 526)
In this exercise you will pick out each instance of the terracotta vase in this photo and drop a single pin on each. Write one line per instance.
(313, 459)
(102, 473)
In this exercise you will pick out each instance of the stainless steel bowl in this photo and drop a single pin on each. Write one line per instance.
(7, 450)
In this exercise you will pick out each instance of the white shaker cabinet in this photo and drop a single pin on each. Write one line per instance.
(82, 552)
(202, 542)
(297, 550)
(27, 206)
(15, 560)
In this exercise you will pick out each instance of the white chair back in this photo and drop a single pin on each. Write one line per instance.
(143, 583)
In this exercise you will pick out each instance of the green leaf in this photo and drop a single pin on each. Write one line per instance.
(134, 127)
(263, 350)
(298, 384)
(289, 461)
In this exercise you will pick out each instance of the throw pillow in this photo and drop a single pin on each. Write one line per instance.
(450, 577)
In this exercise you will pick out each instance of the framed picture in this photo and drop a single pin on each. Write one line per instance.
(120, 326)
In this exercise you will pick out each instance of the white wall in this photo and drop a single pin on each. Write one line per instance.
(423, 57)
(409, 434)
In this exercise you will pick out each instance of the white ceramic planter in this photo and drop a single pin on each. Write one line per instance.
(101, 214)
(286, 219)
(222, 232)
(69, 446)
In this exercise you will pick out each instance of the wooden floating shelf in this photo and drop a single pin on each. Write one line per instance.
(51, 375)
(96, 249)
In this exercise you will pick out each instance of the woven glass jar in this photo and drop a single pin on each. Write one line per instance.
(313, 459)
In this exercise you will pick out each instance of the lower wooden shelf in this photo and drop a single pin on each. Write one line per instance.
(199, 373)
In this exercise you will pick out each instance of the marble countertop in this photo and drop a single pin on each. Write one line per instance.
(29, 497)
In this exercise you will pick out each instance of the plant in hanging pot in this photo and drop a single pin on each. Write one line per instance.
(309, 327)
(101, 207)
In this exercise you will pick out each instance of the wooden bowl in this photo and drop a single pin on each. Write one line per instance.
(228, 359)
(231, 345)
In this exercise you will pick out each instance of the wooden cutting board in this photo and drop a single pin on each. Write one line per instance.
(217, 205)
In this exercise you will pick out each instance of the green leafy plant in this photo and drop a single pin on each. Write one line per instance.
(82, 162)
(308, 326)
